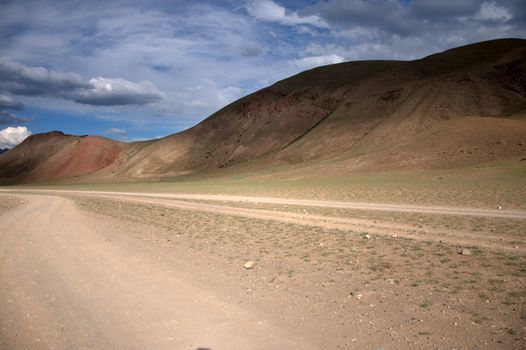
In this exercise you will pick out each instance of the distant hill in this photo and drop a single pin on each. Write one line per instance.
(54, 155)
(3, 150)
(459, 107)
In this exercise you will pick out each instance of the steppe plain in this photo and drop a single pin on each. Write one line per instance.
(395, 260)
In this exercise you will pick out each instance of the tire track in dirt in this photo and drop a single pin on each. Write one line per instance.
(395, 230)
(402, 208)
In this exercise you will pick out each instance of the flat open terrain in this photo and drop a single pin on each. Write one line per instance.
(487, 185)
(164, 270)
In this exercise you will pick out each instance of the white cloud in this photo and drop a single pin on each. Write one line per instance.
(116, 92)
(19, 79)
(492, 11)
(315, 61)
(12, 136)
(116, 131)
(201, 98)
(268, 10)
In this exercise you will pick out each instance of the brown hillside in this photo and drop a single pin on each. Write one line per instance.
(455, 108)
(362, 110)
(54, 155)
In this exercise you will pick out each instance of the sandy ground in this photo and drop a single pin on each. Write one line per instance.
(114, 271)
(65, 285)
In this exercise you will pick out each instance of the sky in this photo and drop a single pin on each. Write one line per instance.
(135, 70)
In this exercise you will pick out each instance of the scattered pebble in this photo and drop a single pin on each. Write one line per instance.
(249, 265)
(367, 236)
(357, 295)
(465, 251)
(499, 207)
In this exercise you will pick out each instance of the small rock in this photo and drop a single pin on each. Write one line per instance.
(499, 207)
(465, 251)
(249, 265)
(394, 235)
(367, 236)
(357, 295)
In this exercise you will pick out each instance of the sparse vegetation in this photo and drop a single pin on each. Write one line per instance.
(312, 258)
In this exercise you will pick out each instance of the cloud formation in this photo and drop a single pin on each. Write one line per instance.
(12, 136)
(116, 131)
(493, 12)
(8, 101)
(19, 79)
(165, 65)
(268, 10)
(377, 29)
(7, 118)
(250, 50)
(416, 18)
(36, 81)
(315, 61)
(117, 92)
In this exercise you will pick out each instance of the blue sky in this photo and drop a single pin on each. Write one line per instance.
(133, 70)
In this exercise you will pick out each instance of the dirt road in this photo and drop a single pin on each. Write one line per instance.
(402, 208)
(66, 283)
(217, 204)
